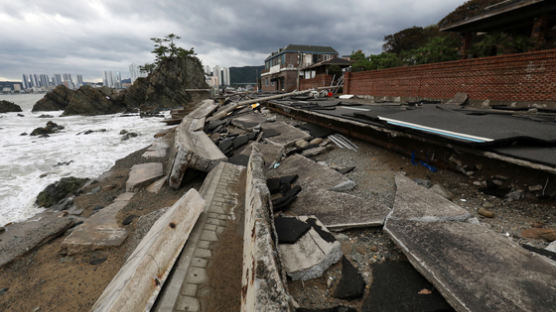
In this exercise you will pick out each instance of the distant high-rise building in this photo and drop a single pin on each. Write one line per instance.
(44, 80)
(108, 79)
(135, 72)
(67, 77)
(36, 81)
(57, 79)
(208, 71)
(79, 80)
(25, 81)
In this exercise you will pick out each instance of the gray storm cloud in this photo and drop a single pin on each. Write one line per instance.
(91, 36)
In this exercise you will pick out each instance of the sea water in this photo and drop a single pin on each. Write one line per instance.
(29, 163)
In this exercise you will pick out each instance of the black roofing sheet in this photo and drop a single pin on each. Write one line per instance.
(545, 155)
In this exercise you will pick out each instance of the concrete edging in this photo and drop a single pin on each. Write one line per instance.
(263, 280)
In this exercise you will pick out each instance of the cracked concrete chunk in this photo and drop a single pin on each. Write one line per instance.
(156, 150)
(270, 152)
(143, 174)
(311, 255)
(22, 237)
(101, 230)
(156, 186)
(311, 174)
(248, 121)
(194, 150)
(473, 267)
(288, 134)
(416, 202)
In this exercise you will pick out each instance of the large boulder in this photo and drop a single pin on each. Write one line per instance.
(54, 100)
(7, 107)
(57, 191)
(93, 101)
(166, 86)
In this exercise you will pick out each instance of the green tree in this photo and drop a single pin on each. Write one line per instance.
(359, 61)
(165, 48)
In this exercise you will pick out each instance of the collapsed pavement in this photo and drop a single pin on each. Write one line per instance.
(346, 228)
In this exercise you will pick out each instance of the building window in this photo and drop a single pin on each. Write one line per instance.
(283, 58)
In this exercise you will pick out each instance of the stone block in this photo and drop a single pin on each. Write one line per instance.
(143, 174)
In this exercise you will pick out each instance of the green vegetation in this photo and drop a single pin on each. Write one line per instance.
(418, 45)
(165, 48)
(245, 74)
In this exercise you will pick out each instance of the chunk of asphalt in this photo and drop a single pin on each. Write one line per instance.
(351, 285)
(240, 141)
(334, 309)
(226, 145)
(290, 229)
(239, 159)
(268, 133)
(316, 131)
(281, 184)
(283, 202)
(327, 236)
(396, 286)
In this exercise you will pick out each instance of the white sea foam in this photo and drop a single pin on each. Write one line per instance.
(23, 159)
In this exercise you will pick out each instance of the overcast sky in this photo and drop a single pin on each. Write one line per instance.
(90, 36)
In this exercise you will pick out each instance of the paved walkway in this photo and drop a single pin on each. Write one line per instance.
(181, 292)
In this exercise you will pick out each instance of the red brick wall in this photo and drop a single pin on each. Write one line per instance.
(527, 76)
(321, 80)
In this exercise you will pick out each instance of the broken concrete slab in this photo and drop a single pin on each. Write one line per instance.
(143, 174)
(156, 186)
(100, 231)
(203, 110)
(137, 284)
(473, 267)
(194, 150)
(415, 202)
(270, 152)
(156, 150)
(339, 211)
(311, 255)
(22, 237)
(551, 247)
(264, 286)
(311, 174)
(288, 134)
(248, 121)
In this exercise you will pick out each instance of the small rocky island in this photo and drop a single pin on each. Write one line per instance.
(8, 107)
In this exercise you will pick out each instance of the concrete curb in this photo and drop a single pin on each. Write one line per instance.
(263, 281)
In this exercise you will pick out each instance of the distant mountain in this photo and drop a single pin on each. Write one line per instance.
(245, 74)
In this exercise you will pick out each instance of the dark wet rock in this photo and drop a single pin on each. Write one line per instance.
(45, 116)
(97, 260)
(290, 229)
(94, 101)
(166, 86)
(23, 133)
(51, 127)
(8, 107)
(123, 131)
(129, 135)
(55, 192)
(128, 219)
(20, 115)
(55, 100)
(351, 285)
(63, 204)
(63, 163)
(91, 131)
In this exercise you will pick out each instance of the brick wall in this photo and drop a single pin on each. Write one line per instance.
(522, 77)
(320, 80)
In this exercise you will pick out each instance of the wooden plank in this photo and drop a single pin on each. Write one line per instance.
(137, 284)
